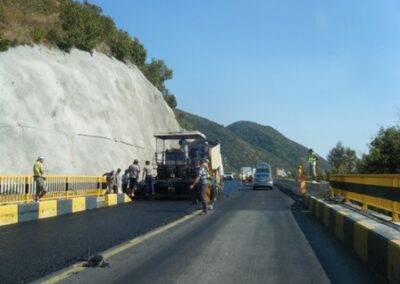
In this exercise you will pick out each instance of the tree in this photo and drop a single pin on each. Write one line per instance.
(384, 152)
(170, 99)
(137, 53)
(81, 26)
(120, 45)
(4, 43)
(343, 160)
(157, 72)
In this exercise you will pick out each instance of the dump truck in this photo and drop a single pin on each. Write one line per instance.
(246, 174)
(177, 157)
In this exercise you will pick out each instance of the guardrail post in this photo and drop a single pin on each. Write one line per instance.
(346, 198)
(98, 187)
(364, 204)
(26, 195)
(66, 187)
(395, 213)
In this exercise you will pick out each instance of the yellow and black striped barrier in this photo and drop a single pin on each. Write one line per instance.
(373, 243)
(65, 195)
(21, 189)
(18, 213)
(377, 191)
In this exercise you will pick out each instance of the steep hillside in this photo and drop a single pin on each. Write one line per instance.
(68, 24)
(273, 142)
(85, 113)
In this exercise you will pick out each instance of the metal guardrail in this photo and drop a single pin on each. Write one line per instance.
(22, 189)
(377, 191)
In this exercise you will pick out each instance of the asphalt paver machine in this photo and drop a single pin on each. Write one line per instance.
(177, 157)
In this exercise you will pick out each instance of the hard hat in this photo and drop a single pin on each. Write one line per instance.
(40, 158)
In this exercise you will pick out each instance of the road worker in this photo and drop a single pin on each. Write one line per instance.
(202, 180)
(148, 178)
(312, 161)
(39, 178)
(134, 170)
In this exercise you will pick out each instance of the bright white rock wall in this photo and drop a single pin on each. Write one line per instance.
(86, 114)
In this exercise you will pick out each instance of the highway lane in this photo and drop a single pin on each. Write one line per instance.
(251, 237)
(32, 250)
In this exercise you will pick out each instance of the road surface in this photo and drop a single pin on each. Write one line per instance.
(250, 237)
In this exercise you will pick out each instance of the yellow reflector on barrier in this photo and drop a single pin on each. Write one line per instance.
(360, 239)
(127, 198)
(110, 199)
(339, 218)
(47, 209)
(78, 204)
(8, 214)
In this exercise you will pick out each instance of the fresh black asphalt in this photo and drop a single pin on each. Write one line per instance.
(29, 251)
(255, 237)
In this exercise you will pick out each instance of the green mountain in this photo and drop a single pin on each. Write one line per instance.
(247, 143)
(236, 152)
(273, 142)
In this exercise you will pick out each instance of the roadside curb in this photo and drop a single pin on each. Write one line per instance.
(19, 213)
(374, 243)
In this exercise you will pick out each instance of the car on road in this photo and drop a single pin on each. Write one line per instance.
(263, 177)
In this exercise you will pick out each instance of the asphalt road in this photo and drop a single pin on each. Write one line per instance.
(32, 250)
(250, 237)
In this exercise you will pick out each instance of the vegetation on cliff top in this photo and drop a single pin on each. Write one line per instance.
(67, 24)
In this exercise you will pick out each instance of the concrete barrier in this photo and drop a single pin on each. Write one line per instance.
(321, 189)
(18, 213)
(375, 243)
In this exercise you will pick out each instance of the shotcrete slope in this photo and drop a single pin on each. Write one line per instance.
(86, 114)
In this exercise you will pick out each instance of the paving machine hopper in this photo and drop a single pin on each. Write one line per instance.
(177, 157)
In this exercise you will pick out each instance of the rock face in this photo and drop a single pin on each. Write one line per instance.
(86, 114)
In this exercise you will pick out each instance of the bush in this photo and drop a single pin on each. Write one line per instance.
(59, 38)
(4, 43)
(46, 7)
(38, 35)
(137, 53)
(170, 99)
(108, 29)
(81, 25)
(120, 45)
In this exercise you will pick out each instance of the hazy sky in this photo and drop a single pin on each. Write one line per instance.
(318, 71)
